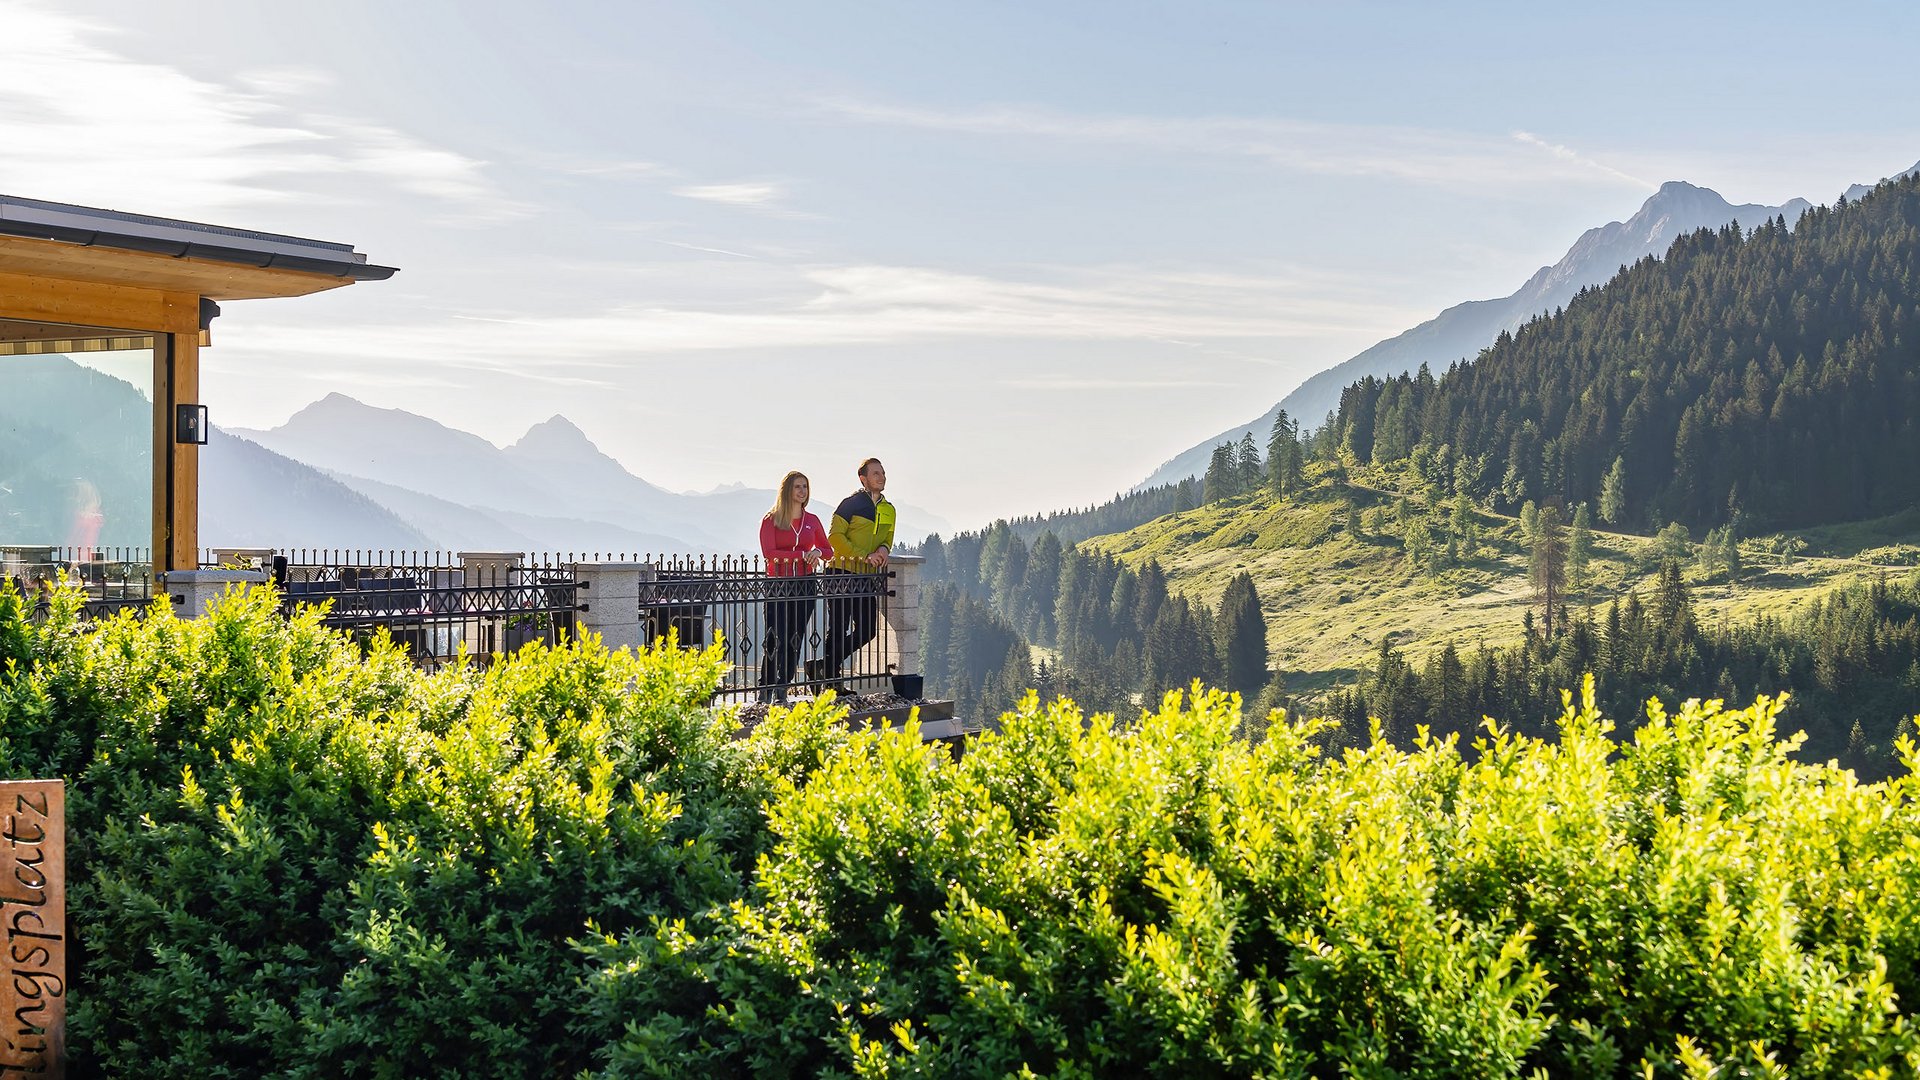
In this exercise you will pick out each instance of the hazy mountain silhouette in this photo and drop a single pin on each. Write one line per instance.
(1461, 331)
(551, 490)
(253, 497)
(70, 434)
(74, 450)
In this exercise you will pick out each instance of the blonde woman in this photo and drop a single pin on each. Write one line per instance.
(796, 546)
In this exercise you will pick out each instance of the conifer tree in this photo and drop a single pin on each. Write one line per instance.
(1223, 474)
(1418, 541)
(1674, 543)
(1613, 494)
(1286, 458)
(1465, 533)
(1579, 547)
(1549, 564)
(1247, 466)
(1243, 638)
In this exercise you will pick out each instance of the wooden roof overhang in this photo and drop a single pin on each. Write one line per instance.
(77, 279)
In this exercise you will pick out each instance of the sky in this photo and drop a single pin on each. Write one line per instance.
(1022, 252)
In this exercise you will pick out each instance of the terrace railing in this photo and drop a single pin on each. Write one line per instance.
(733, 602)
(110, 579)
(776, 632)
(439, 606)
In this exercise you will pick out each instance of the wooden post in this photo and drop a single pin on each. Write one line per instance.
(184, 515)
(33, 911)
(176, 466)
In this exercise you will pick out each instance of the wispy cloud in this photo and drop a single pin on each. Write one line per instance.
(1443, 158)
(1571, 156)
(87, 124)
(760, 196)
(1076, 383)
(612, 169)
(751, 195)
(872, 304)
(707, 250)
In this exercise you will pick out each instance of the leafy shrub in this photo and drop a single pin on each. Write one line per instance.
(288, 858)
(1076, 899)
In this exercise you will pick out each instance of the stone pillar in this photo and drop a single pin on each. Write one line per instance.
(900, 619)
(244, 558)
(193, 590)
(611, 592)
(899, 626)
(490, 567)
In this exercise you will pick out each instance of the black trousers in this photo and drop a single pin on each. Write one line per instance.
(851, 621)
(789, 613)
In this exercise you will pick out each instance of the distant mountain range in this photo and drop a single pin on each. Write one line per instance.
(553, 490)
(343, 474)
(1461, 331)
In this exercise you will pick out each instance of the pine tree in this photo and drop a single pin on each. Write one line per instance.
(1286, 458)
(1247, 466)
(1223, 476)
(1417, 541)
(1579, 547)
(1465, 533)
(1674, 543)
(1613, 494)
(1243, 638)
(1549, 564)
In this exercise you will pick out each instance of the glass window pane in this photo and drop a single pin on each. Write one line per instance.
(76, 438)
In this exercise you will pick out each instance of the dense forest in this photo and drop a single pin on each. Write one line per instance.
(1124, 511)
(1105, 632)
(1851, 664)
(1769, 372)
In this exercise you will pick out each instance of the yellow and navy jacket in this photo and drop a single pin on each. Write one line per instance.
(862, 524)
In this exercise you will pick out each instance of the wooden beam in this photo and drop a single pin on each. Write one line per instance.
(185, 457)
(24, 256)
(86, 303)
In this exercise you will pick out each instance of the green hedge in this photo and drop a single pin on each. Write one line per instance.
(291, 859)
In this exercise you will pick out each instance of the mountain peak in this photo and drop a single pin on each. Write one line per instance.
(334, 402)
(555, 436)
(1678, 196)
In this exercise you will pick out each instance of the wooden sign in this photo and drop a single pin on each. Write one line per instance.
(33, 913)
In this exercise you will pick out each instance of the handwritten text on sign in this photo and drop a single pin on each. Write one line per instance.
(33, 914)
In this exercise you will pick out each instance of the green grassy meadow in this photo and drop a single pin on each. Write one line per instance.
(1331, 591)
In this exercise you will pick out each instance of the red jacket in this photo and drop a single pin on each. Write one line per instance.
(787, 549)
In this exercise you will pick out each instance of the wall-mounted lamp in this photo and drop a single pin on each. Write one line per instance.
(209, 311)
(190, 424)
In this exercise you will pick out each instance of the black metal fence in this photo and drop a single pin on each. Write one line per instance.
(110, 579)
(785, 633)
(437, 605)
(795, 631)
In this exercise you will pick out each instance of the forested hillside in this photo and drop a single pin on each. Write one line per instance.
(1770, 373)
(1850, 662)
(1440, 552)
(1105, 632)
(1122, 512)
